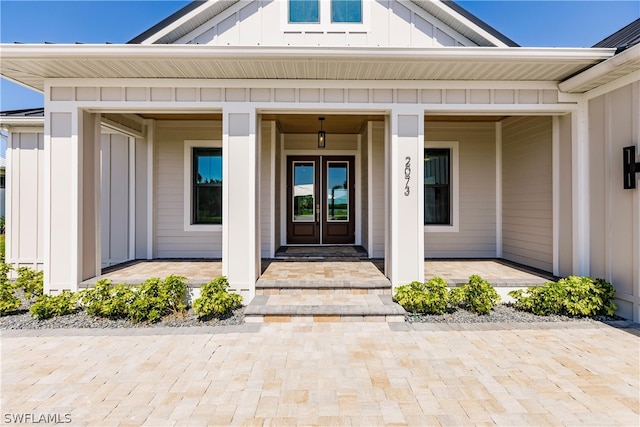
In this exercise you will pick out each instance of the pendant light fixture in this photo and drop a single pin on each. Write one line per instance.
(322, 135)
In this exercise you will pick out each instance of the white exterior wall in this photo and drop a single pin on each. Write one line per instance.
(527, 199)
(364, 179)
(385, 23)
(267, 185)
(614, 122)
(172, 240)
(25, 198)
(377, 193)
(476, 235)
(115, 199)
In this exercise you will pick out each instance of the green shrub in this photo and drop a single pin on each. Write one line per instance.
(31, 281)
(215, 300)
(47, 306)
(107, 300)
(8, 301)
(149, 302)
(477, 296)
(574, 296)
(430, 298)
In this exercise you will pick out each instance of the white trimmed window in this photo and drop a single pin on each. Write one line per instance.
(441, 187)
(326, 15)
(202, 185)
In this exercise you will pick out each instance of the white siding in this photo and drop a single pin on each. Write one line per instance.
(25, 181)
(614, 211)
(527, 211)
(172, 241)
(477, 174)
(377, 195)
(364, 180)
(386, 23)
(266, 221)
(115, 199)
(277, 194)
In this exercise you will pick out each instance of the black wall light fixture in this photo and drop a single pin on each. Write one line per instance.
(322, 135)
(630, 167)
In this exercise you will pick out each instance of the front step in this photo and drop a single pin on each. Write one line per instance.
(323, 308)
(321, 287)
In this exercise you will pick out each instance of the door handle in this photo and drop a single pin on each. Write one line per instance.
(317, 213)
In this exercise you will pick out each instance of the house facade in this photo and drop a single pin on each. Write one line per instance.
(409, 128)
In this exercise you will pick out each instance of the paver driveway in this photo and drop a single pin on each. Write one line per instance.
(325, 374)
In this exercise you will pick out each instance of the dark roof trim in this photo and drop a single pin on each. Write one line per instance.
(29, 112)
(480, 23)
(166, 22)
(624, 38)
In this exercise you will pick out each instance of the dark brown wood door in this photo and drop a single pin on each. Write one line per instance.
(320, 200)
(338, 190)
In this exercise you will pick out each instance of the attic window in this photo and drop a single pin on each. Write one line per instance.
(346, 11)
(304, 11)
(313, 12)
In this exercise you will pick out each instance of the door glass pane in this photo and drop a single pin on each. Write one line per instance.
(337, 191)
(303, 191)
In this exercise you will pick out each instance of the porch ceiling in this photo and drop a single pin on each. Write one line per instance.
(31, 65)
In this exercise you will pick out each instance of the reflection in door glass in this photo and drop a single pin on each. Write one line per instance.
(337, 191)
(303, 191)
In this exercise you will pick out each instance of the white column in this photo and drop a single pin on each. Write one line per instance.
(580, 189)
(240, 221)
(406, 219)
(72, 195)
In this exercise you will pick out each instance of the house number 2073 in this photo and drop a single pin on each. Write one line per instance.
(407, 175)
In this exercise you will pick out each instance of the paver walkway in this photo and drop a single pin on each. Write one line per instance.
(326, 374)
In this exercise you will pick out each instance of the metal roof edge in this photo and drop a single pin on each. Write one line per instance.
(480, 23)
(166, 22)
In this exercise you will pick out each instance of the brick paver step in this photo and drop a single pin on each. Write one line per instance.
(301, 287)
(310, 308)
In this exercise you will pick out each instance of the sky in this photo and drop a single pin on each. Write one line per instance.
(530, 23)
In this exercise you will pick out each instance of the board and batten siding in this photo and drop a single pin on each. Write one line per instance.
(115, 199)
(476, 235)
(26, 186)
(386, 23)
(266, 178)
(172, 241)
(527, 197)
(377, 214)
(364, 180)
(615, 212)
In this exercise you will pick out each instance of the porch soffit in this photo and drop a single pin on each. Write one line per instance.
(31, 65)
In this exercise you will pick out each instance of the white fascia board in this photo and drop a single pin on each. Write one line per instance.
(308, 53)
(600, 70)
(13, 122)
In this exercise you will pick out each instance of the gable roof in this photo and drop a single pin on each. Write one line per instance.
(198, 12)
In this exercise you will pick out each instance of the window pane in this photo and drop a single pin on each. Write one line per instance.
(208, 204)
(346, 10)
(337, 191)
(437, 193)
(436, 166)
(207, 186)
(436, 205)
(303, 192)
(303, 11)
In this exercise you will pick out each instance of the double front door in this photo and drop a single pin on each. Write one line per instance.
(320, 200)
